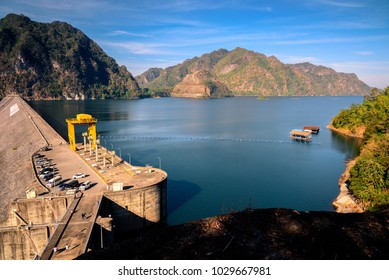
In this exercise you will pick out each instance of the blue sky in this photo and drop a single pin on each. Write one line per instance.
(349, 36)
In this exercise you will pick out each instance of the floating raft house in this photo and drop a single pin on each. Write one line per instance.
(314, 128)
(299, 134)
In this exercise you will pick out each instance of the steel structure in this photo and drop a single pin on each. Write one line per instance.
(84, 119)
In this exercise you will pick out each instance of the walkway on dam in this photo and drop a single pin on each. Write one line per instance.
(23, 132)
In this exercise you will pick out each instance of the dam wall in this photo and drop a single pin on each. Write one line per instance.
(52, 223)
(41, 210)
(25, 243)
(29, 226)
(136, 208)
(19, 139)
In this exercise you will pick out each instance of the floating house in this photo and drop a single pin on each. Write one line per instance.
(300, 134)
(314, 128)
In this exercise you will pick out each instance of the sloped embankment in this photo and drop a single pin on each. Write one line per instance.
(262, 234)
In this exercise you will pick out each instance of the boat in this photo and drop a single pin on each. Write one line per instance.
(301, 134)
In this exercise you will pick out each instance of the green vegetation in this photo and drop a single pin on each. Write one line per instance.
(372, 115)
(56, 60)
(369, 178)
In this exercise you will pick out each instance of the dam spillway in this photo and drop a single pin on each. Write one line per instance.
(39, 222)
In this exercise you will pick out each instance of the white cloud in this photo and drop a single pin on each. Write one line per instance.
(346, 4)
(69, 5)
(380, 81)
(376, 66)
(195, 5)
(364, 53)
(331, 40)
(126, 33)
(141, 48)
(373, 73)
(188, 5)
(299, 59)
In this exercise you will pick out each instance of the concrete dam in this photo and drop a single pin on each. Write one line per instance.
(48, 222)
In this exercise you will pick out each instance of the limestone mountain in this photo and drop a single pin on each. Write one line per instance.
(162, 81)
(57, 61)
(246, 72)
(200, 84)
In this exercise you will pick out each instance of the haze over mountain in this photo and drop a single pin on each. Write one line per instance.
(244, 72)
(57, 61)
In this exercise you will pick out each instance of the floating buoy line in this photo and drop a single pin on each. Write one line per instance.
(165, 138)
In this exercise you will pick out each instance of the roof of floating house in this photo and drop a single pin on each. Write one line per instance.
(300, 132)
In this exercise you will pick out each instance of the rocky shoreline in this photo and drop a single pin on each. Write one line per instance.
(345, 201)
(358, 133)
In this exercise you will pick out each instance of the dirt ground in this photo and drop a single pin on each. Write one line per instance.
(274, 234)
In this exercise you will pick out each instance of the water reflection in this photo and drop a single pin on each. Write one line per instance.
(345, 144)
(180, 192)
(112, 116)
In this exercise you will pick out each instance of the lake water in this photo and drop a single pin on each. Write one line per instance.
(223, 155)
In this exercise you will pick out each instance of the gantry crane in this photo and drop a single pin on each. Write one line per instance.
(84, 119)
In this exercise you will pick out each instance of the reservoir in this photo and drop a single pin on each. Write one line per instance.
(223, 155)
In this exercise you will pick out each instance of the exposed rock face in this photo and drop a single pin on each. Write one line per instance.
(344, 202)
(57, 61)
(246, 72)
(149, 75)
(200, 84)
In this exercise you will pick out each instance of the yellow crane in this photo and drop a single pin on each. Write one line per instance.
(84, 119)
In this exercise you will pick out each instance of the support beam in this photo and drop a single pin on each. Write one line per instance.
(20, 218)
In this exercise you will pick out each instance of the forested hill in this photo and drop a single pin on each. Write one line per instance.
(369, 177)
(245, 72)
(57, 61)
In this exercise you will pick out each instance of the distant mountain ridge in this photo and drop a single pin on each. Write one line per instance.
(57, 61)
(244, 72)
